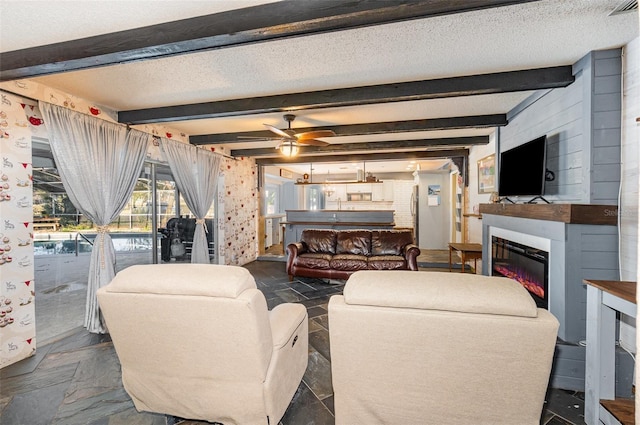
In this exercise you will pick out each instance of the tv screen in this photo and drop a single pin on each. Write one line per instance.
(522, 169)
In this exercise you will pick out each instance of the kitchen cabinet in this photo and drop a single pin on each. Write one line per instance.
(272, 230)
(340, 192)
(360, 188)
(382, 191)
(268, 232)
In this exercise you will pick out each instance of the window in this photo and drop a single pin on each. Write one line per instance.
(315, 197)
(271, 199)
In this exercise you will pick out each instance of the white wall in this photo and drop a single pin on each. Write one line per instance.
(435, 221)
(628, 208)
(629, 200)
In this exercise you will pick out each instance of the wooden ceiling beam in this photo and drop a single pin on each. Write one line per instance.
(478, 121)
(273, 21)
(500, 82)
(383, 156)
(369, 146)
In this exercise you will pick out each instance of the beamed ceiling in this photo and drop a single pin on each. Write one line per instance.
(395, 80)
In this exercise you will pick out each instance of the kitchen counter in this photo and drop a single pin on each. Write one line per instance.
(339, 216)
(298, 220)
(341, 223)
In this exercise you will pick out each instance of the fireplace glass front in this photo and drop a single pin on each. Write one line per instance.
(527, 265)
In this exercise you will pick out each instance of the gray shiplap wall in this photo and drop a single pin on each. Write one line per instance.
(582, 124)
(606, 113)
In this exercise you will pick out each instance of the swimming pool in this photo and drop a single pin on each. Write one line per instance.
(69, 242)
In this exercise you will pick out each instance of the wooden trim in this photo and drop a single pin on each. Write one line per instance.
(376, 146)
(478, 121)
(622, 409)
(408, 156)
(249, 25)
(620, 288)
(500, 82)
(565, 213)
(338, 182)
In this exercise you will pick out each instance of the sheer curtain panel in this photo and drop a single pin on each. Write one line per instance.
(195, 171)
(99, 163)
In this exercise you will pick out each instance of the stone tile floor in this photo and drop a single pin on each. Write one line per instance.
(76, 379)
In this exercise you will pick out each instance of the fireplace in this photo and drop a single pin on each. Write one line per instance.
(581, 242)
(527, 265)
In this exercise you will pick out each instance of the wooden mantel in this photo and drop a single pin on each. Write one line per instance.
(565, 213)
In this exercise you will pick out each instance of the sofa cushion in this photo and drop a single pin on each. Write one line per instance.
(319, 240)
(389, 242)
(356, 242)
(463, 292)
(348, 262)
(386, 262)
(314, 261)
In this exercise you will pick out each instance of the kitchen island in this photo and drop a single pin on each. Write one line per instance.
(298, 220)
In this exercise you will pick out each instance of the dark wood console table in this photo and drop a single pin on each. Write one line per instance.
(468, 251)
(604, 299)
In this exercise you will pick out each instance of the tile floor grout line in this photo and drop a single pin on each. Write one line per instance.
(318, 398)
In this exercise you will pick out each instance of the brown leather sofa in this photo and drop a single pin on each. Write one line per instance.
(336, 254)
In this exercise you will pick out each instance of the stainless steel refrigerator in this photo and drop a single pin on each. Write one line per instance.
(415, 213)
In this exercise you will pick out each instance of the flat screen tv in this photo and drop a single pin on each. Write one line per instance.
(522, 169)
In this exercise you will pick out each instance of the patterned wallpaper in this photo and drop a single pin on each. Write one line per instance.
(33, 90)
(17, 311)
(20, 120)
(238, 206)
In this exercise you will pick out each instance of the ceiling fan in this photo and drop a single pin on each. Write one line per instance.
(306, 138)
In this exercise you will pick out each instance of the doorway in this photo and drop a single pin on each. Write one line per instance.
(63, 243)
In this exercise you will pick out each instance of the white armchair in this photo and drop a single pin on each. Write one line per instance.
(197, 341)
(438, 348)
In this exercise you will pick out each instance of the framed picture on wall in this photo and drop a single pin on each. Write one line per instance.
(487, 174)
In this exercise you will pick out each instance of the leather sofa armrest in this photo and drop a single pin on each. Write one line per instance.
(293, 250)
(411, 253)
(296, 248)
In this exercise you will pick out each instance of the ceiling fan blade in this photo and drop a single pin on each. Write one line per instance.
(315, 134)
(277, 131)
(312, 142)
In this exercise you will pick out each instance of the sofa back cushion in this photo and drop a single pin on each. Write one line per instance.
(319, 240)
(356, 242)
(390, 242)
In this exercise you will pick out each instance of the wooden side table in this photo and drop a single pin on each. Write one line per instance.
(604, 299)
(468, 251)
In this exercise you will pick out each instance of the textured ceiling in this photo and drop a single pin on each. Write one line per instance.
(531, 35)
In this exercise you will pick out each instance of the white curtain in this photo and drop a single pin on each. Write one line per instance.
(99, 163)
(195, 171)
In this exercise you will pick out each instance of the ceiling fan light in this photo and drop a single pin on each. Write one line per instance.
(289, 148)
